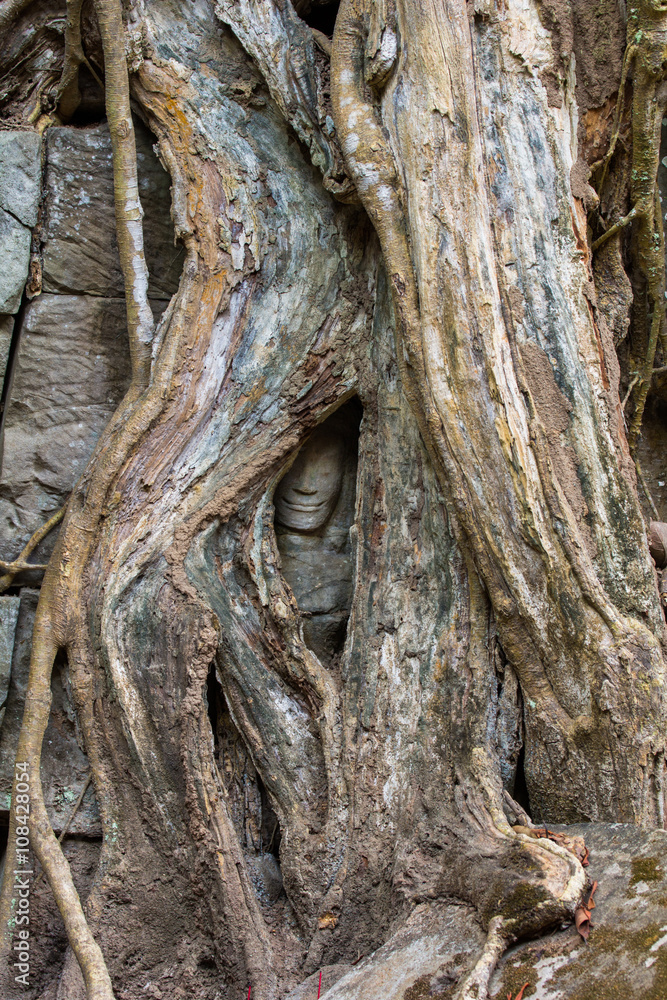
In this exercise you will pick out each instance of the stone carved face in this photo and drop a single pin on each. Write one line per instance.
(306, 495)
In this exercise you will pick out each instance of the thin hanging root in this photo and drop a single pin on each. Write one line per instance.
(647, 492)
(616, 228)
(629, 55)
(58, 613)
(655, 265)
(126, 190)
(10, 569)
(476, 984)
(633, 383)
(68, 96)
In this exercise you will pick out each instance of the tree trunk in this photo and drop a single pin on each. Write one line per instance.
(391, 235)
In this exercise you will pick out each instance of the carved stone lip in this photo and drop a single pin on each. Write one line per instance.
(304, 507)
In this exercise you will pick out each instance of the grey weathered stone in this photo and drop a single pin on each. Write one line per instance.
(314, 504)
(9, 611)
(80, 248)
(6, 330)
(14, 261)
(70, 372)
(307, 494)
(625, 957)
(64, 765)
(20, 174)
(20, 178)
(626, 953)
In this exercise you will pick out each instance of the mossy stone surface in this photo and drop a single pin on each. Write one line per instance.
(625, 957)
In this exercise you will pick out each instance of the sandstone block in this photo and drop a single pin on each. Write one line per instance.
(6, 330)
(20, 174)
(9, 611)
(20, 180)
(71, 370)
(14, 261)
(80, 248)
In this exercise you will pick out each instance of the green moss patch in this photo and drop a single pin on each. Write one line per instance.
(594, 974)
(646, 870)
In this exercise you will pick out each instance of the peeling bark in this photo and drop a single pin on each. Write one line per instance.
(502, 582)
(473, 278)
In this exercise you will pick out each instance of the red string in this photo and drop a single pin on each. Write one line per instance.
(320, 986)
(249, 988)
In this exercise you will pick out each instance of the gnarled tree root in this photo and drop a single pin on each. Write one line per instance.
(475, 986)
(68, 96)
(21, 564)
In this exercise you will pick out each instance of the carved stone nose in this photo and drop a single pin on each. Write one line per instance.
(306, 491)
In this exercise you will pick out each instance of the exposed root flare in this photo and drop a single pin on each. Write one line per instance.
(20, 564)
(475, 986)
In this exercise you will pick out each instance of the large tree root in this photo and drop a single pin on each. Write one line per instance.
(11, 9)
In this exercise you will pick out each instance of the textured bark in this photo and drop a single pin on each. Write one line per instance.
(493, 288)
(503, 590)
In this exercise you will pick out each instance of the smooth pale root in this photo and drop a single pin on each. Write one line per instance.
(126, 190)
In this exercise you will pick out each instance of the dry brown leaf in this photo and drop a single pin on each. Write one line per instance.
(591, 902)
(582, 921)
(582, 914)
(327, 921)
